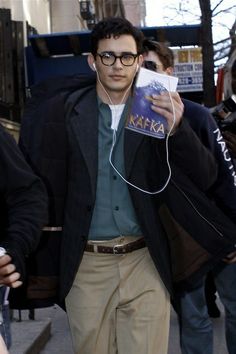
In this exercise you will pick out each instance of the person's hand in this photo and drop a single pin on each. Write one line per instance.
(162, 104)
(230, 140)
(8, 274)
(230, 258)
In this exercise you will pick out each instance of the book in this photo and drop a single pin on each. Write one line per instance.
(142, 118)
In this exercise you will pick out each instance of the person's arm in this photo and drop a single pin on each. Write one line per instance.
(186, 149)
(204, 125)
(230, 140)
(23, 204)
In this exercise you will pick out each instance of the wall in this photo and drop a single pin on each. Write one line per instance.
(64, 15)
(35, 12)
(135, 11)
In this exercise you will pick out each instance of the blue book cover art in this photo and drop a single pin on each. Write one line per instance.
(142, 118)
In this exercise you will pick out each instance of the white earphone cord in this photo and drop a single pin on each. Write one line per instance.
(114, 142)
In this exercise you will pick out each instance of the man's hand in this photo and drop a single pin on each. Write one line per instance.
(8, 274)
(162, 104)
(230, 140)
(230, 258)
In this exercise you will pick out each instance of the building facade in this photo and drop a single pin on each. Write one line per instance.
(48, 16)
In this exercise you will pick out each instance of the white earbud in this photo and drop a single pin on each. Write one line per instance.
(137, 68)
(94, 66)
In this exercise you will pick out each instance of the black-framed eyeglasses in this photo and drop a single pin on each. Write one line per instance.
(109, 58)
(151, 65)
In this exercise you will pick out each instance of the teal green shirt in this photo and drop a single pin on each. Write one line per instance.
(113, 214)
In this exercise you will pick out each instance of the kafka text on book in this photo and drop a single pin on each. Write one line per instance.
(142, 118)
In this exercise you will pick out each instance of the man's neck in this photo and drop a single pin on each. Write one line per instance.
(114, 98)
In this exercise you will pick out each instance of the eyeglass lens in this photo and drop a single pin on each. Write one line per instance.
(110, 58)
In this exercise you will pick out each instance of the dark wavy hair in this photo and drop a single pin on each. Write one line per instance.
(114, 26)
(164, 53)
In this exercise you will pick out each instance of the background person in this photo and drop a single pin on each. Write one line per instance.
(196, 334)
(23, 208)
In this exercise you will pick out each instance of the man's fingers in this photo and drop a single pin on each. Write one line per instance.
(7, 269)
(16, 284)
(5, 260)
(9, 280)
(163, 105)
(8, 274)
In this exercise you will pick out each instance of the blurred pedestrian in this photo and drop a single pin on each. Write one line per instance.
(23, 208)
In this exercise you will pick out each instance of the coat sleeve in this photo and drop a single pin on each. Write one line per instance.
(192, 157)
(23, 203)
(204, 125)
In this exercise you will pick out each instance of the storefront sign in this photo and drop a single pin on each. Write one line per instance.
(188, 68)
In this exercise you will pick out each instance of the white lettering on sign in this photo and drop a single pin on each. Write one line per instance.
(188, 68)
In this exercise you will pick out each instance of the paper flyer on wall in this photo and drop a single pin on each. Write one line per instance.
(142, 118)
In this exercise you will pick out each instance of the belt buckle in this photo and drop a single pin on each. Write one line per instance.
(116, 249)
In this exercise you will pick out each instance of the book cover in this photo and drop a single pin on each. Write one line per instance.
(142, 118)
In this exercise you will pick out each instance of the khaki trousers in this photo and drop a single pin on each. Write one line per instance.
(118, 305)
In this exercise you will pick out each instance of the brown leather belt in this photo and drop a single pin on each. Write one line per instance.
(117, 249)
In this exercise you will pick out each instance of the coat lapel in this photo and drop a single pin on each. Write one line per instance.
(85, 126)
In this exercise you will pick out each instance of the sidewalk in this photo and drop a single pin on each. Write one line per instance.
(30, 336)
(49, 333)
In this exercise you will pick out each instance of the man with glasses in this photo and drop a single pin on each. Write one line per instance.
(115, 273)
(116, 301)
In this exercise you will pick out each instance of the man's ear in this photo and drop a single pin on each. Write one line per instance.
(91, 62)
(140, 60)
(169, 70)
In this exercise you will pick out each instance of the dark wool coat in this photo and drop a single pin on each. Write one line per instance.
(23, 203)
(174, 223)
